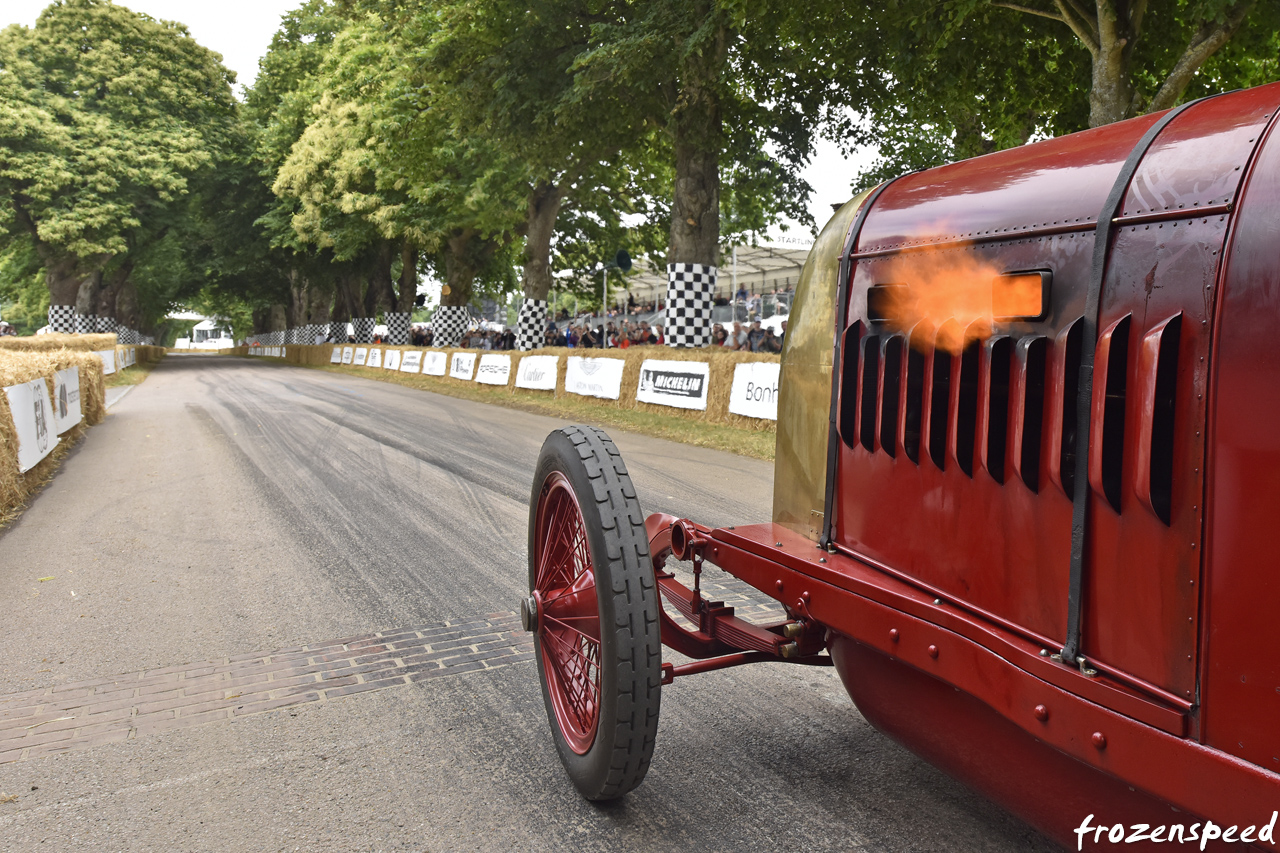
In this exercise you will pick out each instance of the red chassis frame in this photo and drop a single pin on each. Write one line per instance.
(991, 707)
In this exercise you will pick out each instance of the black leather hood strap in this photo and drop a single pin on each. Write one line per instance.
(1084, 398)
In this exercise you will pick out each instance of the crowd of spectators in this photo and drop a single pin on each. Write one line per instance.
(616, 333)
(753, 338)
(611, 335)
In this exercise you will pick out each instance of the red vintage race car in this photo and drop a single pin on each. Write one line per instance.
(1028, 457)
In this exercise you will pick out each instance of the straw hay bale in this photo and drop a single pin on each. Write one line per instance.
(722, 364)
(17, 367)
(47, 343)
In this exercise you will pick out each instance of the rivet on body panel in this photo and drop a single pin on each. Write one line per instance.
(1041, 712)
(893, 634)
(933, 652)
(1099, 740)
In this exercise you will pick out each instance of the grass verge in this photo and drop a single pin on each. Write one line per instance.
(131, 375)
(758, 444)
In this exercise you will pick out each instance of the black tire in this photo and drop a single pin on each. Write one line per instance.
(630, 649)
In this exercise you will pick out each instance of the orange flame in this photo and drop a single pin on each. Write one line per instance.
(955, 293)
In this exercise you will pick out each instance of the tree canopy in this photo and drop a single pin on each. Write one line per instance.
(503, 146)
(106, 117)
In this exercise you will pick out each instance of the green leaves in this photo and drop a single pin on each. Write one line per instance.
(105, 117)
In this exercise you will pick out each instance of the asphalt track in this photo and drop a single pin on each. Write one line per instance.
(227, 508)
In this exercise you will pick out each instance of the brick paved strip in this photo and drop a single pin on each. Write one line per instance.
(84, 714)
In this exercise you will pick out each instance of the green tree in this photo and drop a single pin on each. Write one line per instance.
(105, 115)
(506, 71)
(966, 77)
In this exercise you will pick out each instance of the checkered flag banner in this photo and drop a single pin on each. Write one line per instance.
(363, 327)
(106, 325)
(448, 324)
(531, 324)
(62, 318)
(690, 290)
(398, 329)
(338, 331)
(86, 324)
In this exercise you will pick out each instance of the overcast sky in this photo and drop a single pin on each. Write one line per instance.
(241, 31)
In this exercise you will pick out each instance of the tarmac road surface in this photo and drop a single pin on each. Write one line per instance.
(264, 608)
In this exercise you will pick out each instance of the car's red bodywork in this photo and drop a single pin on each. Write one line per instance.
(943, 589)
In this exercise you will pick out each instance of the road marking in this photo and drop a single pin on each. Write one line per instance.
(80, 715)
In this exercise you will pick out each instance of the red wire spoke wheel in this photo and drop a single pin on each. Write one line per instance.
(593, 609)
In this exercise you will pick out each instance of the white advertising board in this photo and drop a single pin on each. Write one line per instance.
(182, 343)
(392, 361)
(538, 372)
(32, 420)
(594, 377)
(347, 354)
(680, 384)
(66, 399)
(375, 358)
(494, 369)
(755, 390)
(411, 362)
(462, 365)
(108, 357)
(362, 355)
(335, 357)
(434, 363)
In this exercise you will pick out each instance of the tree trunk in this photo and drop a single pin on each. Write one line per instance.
(87, 297)
(408, 292)
(261, 320)
(460, 268)
(64, 277)
(320, 308)
(1111, 97)
(300, 298)
(698, 137)
(379, 295)
(347, 301)
(112, 301)
(277, 319)
(540, 223)
(127, 312)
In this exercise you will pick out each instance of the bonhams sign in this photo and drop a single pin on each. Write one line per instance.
(681, 384)
(755, 390)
